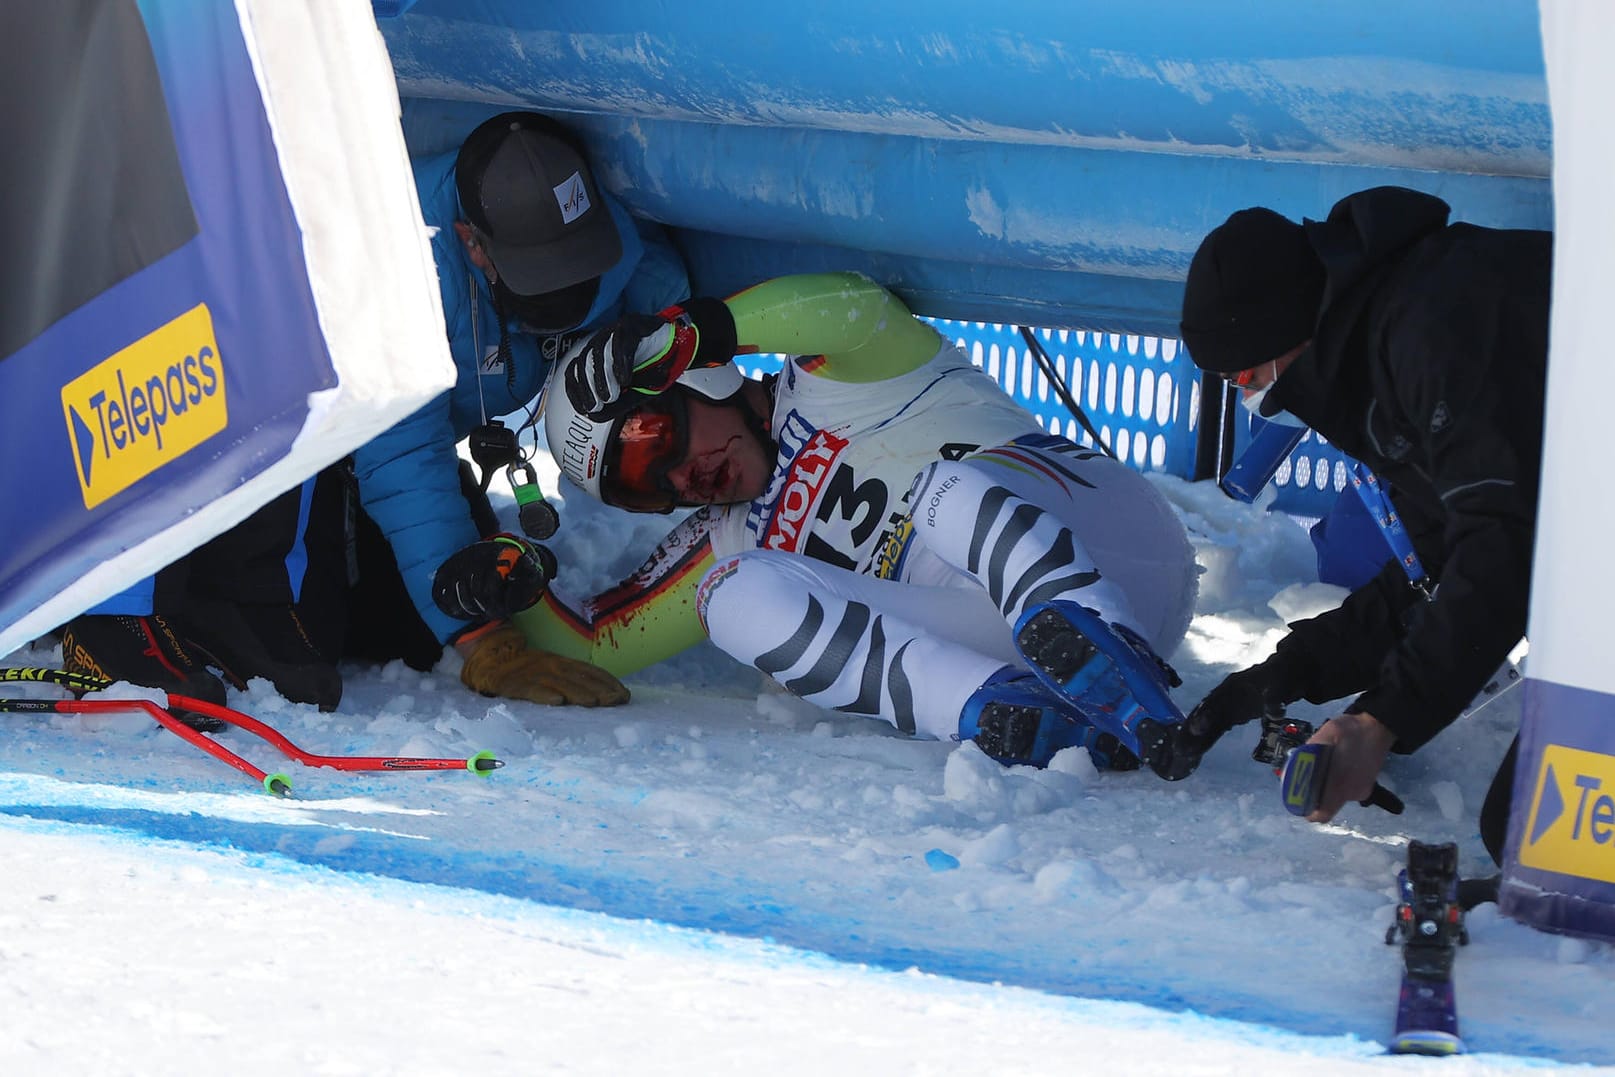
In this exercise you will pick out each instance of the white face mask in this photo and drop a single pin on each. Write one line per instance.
(1253, 399)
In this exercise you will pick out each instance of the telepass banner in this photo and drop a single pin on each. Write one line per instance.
(218, 279)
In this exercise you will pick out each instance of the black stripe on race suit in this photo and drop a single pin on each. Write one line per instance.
(868, 701)
(991, 502)
(791, 651)
(1062, 552)
(836, 654)
(894, 676)
(1021, 521)
(901, 691)
(1052, 590)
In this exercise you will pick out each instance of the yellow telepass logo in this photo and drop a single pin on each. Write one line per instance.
(145, 405)
(1572, 825)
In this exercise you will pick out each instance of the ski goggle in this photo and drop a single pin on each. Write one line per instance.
(1243, 378)
(648, 443)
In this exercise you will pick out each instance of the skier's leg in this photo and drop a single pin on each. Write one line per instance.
(823, 637)
(831, 637)
(1120, 524)
(1074, 626)
(975, 516)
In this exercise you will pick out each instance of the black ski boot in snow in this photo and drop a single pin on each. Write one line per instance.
(144, 651)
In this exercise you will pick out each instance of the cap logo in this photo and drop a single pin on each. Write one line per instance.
(573, 198)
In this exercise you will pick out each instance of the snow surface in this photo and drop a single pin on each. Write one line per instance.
(721, 878)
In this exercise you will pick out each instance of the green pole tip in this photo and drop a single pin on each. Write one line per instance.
(483, 763)
(277, 785)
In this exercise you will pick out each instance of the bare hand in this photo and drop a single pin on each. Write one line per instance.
(1360, 745)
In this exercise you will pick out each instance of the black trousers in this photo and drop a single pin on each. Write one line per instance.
(352, 601)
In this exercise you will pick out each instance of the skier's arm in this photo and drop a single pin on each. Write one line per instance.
(848, 327)
(645, 619)
(863, 332)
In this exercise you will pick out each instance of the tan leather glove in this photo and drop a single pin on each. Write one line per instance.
(500, 663)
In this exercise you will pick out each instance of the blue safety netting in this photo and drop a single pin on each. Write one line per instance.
(1141, 393)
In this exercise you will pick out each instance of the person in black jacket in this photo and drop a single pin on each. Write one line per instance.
(1419, 348)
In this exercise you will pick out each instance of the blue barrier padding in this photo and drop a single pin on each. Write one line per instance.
(1559, 867)
(1351, 547)
(1042, 163)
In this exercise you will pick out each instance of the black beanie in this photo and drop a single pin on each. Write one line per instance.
(1253, 292)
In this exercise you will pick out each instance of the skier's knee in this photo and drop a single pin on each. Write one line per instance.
(746, 583)
(950, 491)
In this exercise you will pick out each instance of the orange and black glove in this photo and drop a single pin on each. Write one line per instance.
(499, 662)
(492, 579)
(644, 354)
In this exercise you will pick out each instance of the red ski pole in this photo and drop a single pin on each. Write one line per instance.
(278, 784)
(480, 763)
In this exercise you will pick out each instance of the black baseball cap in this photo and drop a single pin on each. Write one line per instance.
(526, 188)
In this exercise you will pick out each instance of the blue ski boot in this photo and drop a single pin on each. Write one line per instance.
(1015, 719)
(1109, 673)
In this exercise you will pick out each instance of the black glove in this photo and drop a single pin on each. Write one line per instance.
(492, 579)
(646, 354)
(1241, 697)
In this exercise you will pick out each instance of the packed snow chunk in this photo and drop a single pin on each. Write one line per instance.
(684, 808)
(1221, 581)
(1300, 601)
(994, 849)
(1075, 762)
(778, 708)
(1575, 951)
(1370, 861)
(915, 806)
(429, 747)
(124, 690)
(980, 785)
(626, 736)
(498, 730)
(970, 779)
(1229, 641)
(131, 722)
(1067, 880)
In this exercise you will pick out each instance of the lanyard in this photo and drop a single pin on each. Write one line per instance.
(493, 443)
(1379, 506)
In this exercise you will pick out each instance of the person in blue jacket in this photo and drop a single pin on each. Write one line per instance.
(530, 253)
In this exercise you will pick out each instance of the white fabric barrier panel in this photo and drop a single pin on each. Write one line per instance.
(1559, 872)
(231, 180)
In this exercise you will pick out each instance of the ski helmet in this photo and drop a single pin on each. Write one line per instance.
(583, 448)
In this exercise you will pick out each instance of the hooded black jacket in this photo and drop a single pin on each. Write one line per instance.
(1428, 364)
